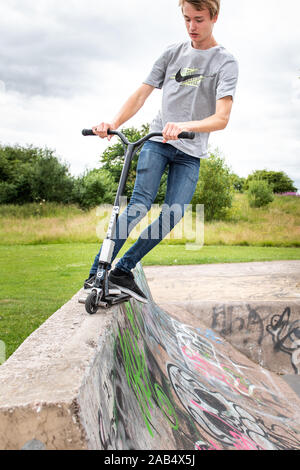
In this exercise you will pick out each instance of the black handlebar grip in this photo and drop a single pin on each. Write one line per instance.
(187, 135)
(88, 132)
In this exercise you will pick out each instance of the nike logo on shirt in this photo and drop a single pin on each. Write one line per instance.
(182, 78)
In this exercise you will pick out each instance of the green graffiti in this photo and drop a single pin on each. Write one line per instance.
(131, 318)
(138, 376)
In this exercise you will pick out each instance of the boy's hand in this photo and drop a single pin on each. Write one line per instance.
(172, 130)
(102, 128)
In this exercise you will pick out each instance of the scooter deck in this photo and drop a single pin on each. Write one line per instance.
(110, 300)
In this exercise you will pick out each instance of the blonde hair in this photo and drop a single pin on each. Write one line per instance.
(213, 6)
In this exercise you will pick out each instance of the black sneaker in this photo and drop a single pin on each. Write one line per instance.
(125, 282)
(89, 283)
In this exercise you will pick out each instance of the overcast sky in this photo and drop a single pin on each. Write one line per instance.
(69, 65)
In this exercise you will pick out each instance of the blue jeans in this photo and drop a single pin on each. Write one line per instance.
(183, 175)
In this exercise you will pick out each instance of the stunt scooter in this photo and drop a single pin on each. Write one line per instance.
(101, 295)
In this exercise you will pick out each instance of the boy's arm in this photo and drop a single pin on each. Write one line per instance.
(216, 122)
(129, 109)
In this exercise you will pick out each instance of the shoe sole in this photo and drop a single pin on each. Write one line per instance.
(133, 294)
(113, 290)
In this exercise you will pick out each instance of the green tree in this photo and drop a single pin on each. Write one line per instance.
(51, 180)
(278, 180)
(15, 174)
(215, 187)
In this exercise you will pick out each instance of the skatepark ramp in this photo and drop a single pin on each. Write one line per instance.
(134, 377)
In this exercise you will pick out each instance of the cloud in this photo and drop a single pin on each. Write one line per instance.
(51, 48)
(68, 65)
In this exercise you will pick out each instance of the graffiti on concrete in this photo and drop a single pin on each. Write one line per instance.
(226, 323)
(208, 333)
(169, 382)
(223, 422)
(147, 395)
(286, 336)
(221, 379)
(256, 327)
(146, 390)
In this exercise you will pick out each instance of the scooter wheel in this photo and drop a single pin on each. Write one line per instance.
(90, 303)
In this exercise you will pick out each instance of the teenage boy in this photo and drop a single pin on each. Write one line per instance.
(199, 79)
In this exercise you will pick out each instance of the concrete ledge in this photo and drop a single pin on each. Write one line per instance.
(41, 381)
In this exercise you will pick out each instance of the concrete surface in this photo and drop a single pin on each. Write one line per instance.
(272, 281)
(138, 378)
(294, 382)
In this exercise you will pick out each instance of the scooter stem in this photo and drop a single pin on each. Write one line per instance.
(108, 244)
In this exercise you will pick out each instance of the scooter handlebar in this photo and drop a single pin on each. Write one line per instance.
(182, 135)
(187, 135)
(87, 132)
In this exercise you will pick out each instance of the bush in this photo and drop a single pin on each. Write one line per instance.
(259, 193)
(30, 174)
(94, 188)
(51, 180)
(8, 192)
(215, 187)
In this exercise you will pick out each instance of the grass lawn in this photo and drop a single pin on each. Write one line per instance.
(39, 279)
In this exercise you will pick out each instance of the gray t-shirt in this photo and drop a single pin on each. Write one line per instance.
(192, 80)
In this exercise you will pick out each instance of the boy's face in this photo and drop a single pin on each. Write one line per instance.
(199, 25)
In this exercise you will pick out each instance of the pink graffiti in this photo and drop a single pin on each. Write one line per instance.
(214, 446)
(241, 441)
(210, 370)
